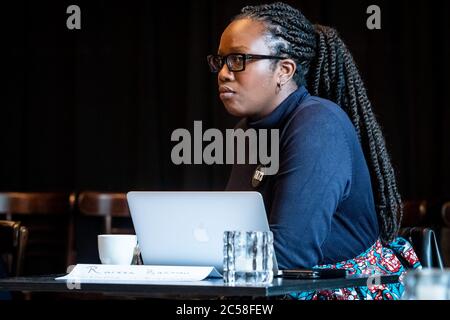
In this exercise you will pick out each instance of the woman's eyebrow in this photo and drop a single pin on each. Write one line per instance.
(238, 49)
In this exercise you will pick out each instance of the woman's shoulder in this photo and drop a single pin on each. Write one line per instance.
(316, 113)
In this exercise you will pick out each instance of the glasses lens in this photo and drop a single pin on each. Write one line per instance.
(215, 63)
(235, 62)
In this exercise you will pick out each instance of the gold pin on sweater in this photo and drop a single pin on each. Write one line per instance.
(258, 176)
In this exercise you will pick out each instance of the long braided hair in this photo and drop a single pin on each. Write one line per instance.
(326, 67)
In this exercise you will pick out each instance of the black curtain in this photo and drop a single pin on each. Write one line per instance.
(95, 108)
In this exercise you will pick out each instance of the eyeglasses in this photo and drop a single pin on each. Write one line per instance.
(235, 61)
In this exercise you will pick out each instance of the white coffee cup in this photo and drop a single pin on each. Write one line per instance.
(116, 248)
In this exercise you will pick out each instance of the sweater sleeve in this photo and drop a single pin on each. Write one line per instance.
(313, 178)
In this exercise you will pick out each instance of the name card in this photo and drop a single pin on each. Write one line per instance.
(101, 273)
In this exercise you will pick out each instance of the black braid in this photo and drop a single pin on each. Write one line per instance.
(326, 67)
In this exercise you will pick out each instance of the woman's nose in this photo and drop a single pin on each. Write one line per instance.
(225, 74)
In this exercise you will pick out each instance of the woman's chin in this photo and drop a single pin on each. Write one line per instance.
(235, 110)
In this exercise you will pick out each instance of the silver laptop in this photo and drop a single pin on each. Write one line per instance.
(186, 228)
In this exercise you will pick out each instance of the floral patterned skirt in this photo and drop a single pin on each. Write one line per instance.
(377, 260)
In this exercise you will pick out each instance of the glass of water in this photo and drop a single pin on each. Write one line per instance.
(248, 257)
(427, 284)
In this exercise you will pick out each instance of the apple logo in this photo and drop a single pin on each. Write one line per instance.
(200, 234)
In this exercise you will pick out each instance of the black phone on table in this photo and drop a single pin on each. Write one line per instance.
(314, 273)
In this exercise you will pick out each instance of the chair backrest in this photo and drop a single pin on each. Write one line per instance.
(13, 242)
(445, 214)
(107, 205)
(425, 245)
(414, 213)
(445, 233)
(48, 217)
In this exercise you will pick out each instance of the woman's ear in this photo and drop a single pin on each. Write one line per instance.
(287, 68)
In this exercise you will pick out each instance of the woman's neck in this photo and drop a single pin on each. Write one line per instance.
(285, 92)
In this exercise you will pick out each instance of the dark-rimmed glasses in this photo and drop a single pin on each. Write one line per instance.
(235, 61)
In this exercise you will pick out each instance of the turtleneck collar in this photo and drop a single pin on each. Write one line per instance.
(277, 116)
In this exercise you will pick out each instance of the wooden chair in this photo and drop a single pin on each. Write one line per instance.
(13, 242)
(414, 213)
(48, 217)
(111, 206)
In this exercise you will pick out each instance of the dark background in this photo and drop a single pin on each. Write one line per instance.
(94, 108)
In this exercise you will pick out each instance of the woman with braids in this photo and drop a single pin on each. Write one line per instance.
(327, 206)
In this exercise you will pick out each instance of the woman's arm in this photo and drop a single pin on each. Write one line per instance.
(314, 177)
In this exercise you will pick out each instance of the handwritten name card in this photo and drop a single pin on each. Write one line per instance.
(138, 273)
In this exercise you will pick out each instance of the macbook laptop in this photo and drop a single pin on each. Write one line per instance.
(186, 228)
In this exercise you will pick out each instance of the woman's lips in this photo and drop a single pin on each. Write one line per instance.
(226, 95)
(226, 92)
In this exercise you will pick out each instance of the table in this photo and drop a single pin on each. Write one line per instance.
(208, 288)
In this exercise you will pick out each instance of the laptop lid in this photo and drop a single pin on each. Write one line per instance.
(186, 228)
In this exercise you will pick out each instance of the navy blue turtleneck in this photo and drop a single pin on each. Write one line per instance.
(320, 203)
